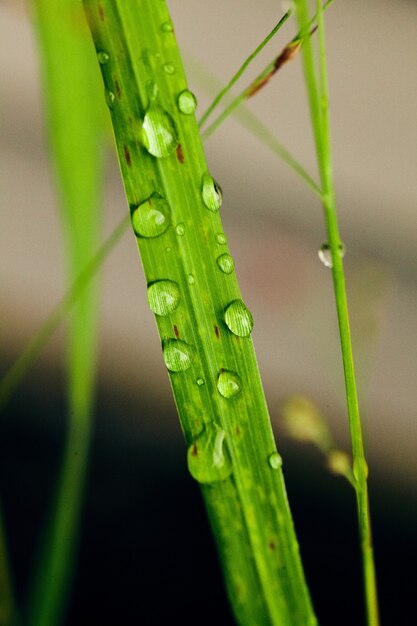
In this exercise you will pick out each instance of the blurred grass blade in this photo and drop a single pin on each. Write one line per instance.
(8, 608)
(319, 111)
(203, 324)
(242, 69)
(75, 117)
(26, 358)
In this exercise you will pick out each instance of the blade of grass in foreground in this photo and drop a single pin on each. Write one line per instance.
(318, 99)
(204, 325)
(75, 121)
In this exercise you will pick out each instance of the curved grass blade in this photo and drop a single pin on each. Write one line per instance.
(242, 69)
(26, 358)
(203, 325)
(75, 121)
(319, 105)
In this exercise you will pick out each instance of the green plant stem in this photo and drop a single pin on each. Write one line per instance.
(229, 438)
(26, 358)
(318, 99)
(241, 70)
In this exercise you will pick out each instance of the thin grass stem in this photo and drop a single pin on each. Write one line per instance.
(319, 100)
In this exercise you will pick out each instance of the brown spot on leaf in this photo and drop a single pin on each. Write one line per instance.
(117, 88)
(127, 156)
(289, 52)
(194, 450)
(180, 154)
(216, 331)
(271, 545)
(101, 13)
(176, 331)
(238, 431)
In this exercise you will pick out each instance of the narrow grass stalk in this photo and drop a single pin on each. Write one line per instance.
(318, 99)
(75, 119)
(203, 324)
(13, 378)
(242, 69)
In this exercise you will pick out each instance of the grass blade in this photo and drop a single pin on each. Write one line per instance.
(207, 350)
(75, 120)
(318, 99)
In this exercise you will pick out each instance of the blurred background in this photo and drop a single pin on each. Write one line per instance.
(146, 553)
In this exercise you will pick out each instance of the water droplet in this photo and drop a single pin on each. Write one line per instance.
(178, 355)
(325, 254)
(238, 318)
(208, 458)
(275, 460)
(103, 57)
(152, 91)
(211, 192)
(187, 102)
(168, 249)
(180, 229)
(200, 381)
(169, 68)
(190, 279)
(163, 297)
(159, 135)
(167, 27)
(226, 263)
(110, 98)
(152, 217)
(221, 238)
(229, 384)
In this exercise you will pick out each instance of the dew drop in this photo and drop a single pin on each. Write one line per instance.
(190, 279)
(221, 238)
(167, 27)
(226, 263)
(180, 229)
(200, 381)
(169, 68)
(238, 318)
(152, 217)
(187, 102)
(110, 98)
(275, 460)
(103, 57)
(159, 135)
(178, 355)
(325, 254)
(207, 457)
(229, 384)
(163, 297)
(211, 193)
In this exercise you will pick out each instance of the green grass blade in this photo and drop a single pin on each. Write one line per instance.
(75, 120)
(222, 93)
(26, 358)
(318, 99)
(180, 238)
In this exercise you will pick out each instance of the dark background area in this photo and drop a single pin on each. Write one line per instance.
(147, 556)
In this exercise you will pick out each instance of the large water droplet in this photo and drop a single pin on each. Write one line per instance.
(229, 384)
(152, 217)
(325, 254)
(187, 102)
(275, 460)
(159, 135)
(211, 192)
(178, 355)
(103, 57)
(208, 458)
(221, 239)
(163, 297)
(226, 263)
(238, 318)
(110, 98)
